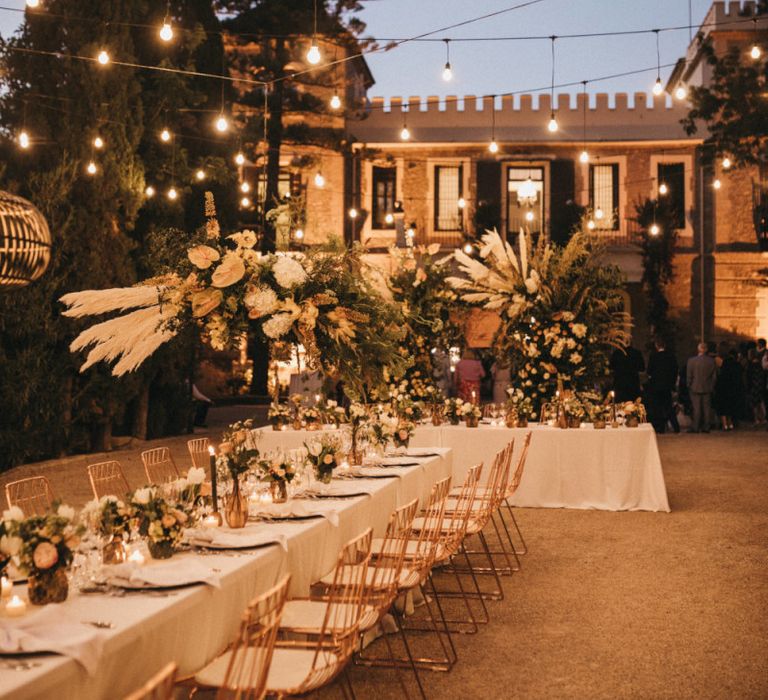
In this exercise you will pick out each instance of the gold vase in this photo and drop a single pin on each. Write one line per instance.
(574, 422)
(598, 424)
(279, 491)
(297, 423)
(472, 421)
(522, 422)
(277, 425)
(113, 551)
(49, 587)
(437, 415)
(162, 549)
(632, 422)
(236, 507)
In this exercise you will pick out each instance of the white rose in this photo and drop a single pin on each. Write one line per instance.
(13, 513)
(288, 272)
(67, 512)
(142, 496)
(196, 475)
(314, 448)
(10, 545)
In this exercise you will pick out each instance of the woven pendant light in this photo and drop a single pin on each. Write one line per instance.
(25, 242)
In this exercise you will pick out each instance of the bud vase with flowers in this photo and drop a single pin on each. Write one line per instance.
(237, 454)
(113, 520)
(403, 434)
(324, 454)
(279, 415)
(278, 471)
(160, 520)
(41, 547)
(382, 429)
(471, 413)
(453, 410)
(358, 418)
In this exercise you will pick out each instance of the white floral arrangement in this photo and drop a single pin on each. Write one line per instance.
(470, 410)
(108, 516)
(276, 467)
(279, 413)
(311, 415)
(325, 454)
(382, 428)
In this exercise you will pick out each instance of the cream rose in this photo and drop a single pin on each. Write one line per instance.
(328, 459)
(45, 556)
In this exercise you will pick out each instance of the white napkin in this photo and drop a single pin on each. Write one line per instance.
(178, 571)
(297, 509)
(227, 538)
(50, 629)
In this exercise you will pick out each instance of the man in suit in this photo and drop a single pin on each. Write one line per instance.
(662, 377)
(626, 366)
(701, 374)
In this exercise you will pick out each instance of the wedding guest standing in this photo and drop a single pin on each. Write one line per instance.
(501, 381)
(469, 373)
(755, 382)
(626, 366)
(727, 387)
(662, 377)
(701, 374)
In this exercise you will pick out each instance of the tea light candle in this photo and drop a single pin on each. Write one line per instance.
(6, 587)
(15, 607)
(212, 521)
(265, 497)
(136, 557)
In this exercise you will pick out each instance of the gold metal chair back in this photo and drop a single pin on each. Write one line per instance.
(252, 650)
(428, 542)
(33, 495)
(159, 687)
(518, 475)
(108, 479)
(198, 451)
(159, 466)
(456, 521)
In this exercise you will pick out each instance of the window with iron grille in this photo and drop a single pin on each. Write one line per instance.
(673, 176)
(287, 185)
(604, 196)
(448, 191)
(384, 189)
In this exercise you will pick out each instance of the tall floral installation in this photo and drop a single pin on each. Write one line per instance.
(560, 309)
(321, 300)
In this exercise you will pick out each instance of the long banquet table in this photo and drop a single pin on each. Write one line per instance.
(193, 624)
(611, 469)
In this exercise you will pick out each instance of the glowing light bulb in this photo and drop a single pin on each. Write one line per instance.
(166, 31)
(353, 213)
(584, 157)
(222, 124)
(240, 158)
(591, 225)
(756, 52)
(462, 202)
(389, 218)
(24, 140)
(405, 134)
(245, 202)
(663, 189)
(319, 180)
(33, 3)
(299, 235)
(245, 187)
(447, 73)
(726, 163)
(200, 174)
(165, 135)
(553, 126)
(410, 232)
(658, 88)
(493, 147)
(335, 102)
(599, 214)
(681, 92)
(172, 194)
(529, 216)
(150, 191)
(91, 168)
(467, 248)
(654, 230)
(103, 57)
(717, 184)
(98, 142)
(313, 55)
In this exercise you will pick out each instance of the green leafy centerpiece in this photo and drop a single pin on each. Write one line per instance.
(278, 471)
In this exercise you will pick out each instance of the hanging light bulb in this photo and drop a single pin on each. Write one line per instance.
(33, 3)
(165, 135)
(663, 189)
(405, 134)
(462, 202)
(410, 233)
(313, 55)
(654, 230)
(529, 216)
(681, 92)
(389, 218)
(755, 52)
(103, 57)
(493, 147)
(468, 248)
(245, 202)
(353, 213)
(726, 163)
(599, 213)
(553, 126)
(150, 191)
(166, 31)
(24, 140)
(658, 88)
(319, 179)
(239, 158)
(447, 73)
(299, 235)
(200, 175)
(591, 225)
(98, 143)
(172, 194)
(335, 101)
(717, 184)
(584, 156)
(245, 188)
(91, 168)
(221, 123)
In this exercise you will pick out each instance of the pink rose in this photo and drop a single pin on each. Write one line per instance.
(168, 521)
(45, 555)
(328, 459)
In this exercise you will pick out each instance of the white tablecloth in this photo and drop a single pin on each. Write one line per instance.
(611, 469)
(194, 624)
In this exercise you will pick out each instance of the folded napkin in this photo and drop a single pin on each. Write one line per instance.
(226, 538)
(179, 571)
(51, 629)
(293, 509)
(422, 454)
(398, 462)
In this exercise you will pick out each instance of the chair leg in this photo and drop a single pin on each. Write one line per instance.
(511, 512)
(459, 625)
(506, 552)
(453, 657)
(498, 594)
(348, 681)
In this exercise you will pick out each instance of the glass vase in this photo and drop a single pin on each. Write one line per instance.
(113, 551)
(236, 507)
(162, 549)
(279, 491)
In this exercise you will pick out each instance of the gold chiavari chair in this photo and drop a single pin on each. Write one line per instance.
(512, 487)
(159, 466)
(159, 687)
(328, 627)
(33, 495)
(241, 671)
(198, 451)
(108, 479)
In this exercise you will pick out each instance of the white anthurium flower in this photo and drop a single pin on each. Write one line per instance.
(433, 248)
(203, 256)
(314, 448)
(230, 271)
(13, 513)
(142, 496)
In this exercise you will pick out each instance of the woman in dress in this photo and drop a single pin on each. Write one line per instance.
(728, 387)
(469, 373)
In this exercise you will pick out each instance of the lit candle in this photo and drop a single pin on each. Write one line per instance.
(6, 587)
(136, 557)
(15, 607)
(473, 396)
(317, 399)
(613, 405)
(212, 521)
(214, 486)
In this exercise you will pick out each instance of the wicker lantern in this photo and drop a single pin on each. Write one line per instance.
(25, 242)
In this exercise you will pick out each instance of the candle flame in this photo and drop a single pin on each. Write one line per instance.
(211, 451)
